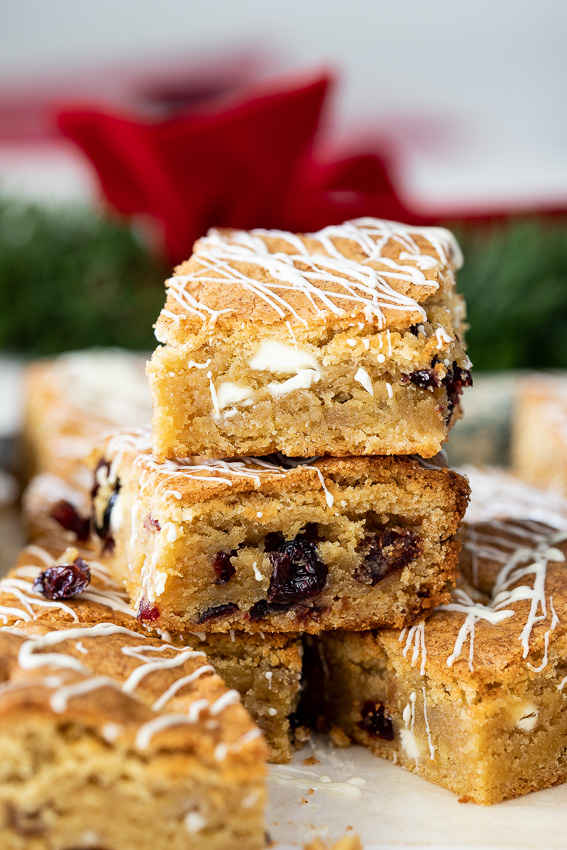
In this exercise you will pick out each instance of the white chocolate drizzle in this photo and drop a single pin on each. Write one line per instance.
(32, 656)
(427, 728)
(415, 636)
(174, 472)
(524, 528)
(180, 683)
(407, 735)
(329, 281)
(61, 697)
(365, 380)
(520, 561)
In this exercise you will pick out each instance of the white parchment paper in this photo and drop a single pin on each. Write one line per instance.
(390, 808)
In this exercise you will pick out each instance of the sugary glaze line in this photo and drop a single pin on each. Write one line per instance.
(524, 547)
(31, 657)
(356, 285)
(522, 562)
(221, 471)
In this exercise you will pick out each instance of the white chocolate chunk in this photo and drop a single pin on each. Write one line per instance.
(409, 743)
(117, 514)
(194, 822)
(282, 359)
(301, 381)
(229, 394)
(363, 378)
(527, 715)
(171, 531)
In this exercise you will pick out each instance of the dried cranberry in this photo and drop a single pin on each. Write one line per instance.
(376, 722)
(315, 612)
(63, 581)
(273, 540)
(424, 378)
(260, 610)
(151, 524)
(102, 464)
(218, 611)
(146, 611)
(455, 381)
(70, 519)
(103, 529)
(386, 551)
(297, 571)
(223, 567)
(414, 329)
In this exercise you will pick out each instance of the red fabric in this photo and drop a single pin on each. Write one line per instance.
(244, 165)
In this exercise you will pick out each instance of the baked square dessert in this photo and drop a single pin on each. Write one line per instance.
(110, 739)
(475, 697)
(539, 431)
(348, 341)
(69, 401)
(262, 545)
(265, 669)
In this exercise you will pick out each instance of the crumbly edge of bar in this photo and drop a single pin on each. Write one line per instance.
(266, 670)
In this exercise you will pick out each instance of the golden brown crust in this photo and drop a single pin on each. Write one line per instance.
(201, 479)
(105, 602)
(97, 718)
(114, 646)
(118, 655)
(235, 276)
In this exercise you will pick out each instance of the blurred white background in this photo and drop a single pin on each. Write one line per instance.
(472, 93)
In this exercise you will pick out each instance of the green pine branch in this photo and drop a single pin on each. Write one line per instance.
(72, 279)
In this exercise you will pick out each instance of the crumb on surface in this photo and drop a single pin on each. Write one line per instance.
(347, 842)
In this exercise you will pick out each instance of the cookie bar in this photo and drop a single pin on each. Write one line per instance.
(474, 698)
(258, 546)
(265, 670)
(69, 401)
(348, 341)
(97, 719)
(539, 431)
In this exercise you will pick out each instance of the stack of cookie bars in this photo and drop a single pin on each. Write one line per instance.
(276, 495)
(288, 495)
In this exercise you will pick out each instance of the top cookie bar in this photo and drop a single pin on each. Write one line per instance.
(346, 341)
